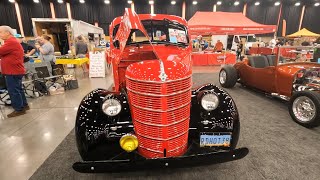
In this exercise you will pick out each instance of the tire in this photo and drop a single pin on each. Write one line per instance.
(229, 79)
(311, 100)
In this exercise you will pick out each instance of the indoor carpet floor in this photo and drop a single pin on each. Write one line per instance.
(279, 148)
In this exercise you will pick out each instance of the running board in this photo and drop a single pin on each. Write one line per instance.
(146, 164)
(283, 97)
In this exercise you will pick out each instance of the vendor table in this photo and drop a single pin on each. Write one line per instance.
(203, 59)
(78, 61)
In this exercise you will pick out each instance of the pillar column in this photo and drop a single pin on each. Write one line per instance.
(16, 5)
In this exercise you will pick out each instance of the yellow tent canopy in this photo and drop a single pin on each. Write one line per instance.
(304, 33)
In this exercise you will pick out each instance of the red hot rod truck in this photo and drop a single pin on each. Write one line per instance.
(153, 118)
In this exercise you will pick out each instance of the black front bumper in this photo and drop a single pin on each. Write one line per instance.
(126, 165)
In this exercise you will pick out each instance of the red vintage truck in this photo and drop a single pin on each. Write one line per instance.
(153, 118)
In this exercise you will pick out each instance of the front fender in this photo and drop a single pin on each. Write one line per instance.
(223, 119)
(94, 128)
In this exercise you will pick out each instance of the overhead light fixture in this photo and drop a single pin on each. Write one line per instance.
(129, 2)
(82, 1)
(257, 3)
(194, 2)
(317, 4)
(12, 1)
(60, 1)
(219, 3)
(173, 2)
(297, 4)
(236, 3)
(107, 2)
(277, 3)
(151, 2)
(36, 1)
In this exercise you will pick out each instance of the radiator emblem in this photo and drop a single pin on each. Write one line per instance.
(163, 76)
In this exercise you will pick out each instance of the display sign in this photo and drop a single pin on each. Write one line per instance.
(97, 66)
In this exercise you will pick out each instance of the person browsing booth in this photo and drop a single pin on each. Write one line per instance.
(11, 54)
(218, 47)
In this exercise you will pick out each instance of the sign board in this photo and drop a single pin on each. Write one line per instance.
(97, 64)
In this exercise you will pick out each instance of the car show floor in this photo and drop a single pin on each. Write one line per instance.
(41, 144)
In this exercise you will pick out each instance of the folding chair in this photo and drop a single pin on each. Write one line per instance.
(43, 80)
(4, 95)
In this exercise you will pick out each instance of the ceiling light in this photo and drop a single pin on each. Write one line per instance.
(194, 2)
(129, 2)
(12, 1)
(173, 2)
(257, 3)
(297, 4)
(107, 2)
(151, 2)
(236, 3)
(36, 1)
(317, 4)
(82, 1)
(60, 1)
(277, 3)
(219, 3)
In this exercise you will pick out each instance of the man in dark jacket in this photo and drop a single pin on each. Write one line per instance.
(11, 54)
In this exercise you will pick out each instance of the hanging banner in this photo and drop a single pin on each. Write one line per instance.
(97, 66)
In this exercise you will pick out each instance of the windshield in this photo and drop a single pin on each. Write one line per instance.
(160, 32)
(292, 54)
(250, 38)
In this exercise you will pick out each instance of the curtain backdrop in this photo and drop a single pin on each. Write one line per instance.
(60, 9)
(142, 6)
(201, 6)
(97, 11)
(291, 14)
(165, 7)
(311, 19)
(8, 15)
(29, 9)
(229, 7)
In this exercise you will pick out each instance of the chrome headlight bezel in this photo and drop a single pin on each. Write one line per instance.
(209, 101)
(111, 106)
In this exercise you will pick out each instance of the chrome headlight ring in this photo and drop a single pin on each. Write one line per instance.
(111, 106)
(210, 101)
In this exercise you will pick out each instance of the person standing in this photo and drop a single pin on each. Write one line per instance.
(11, 54)
(28, 50)
(46, 50)
(81, 47)
(239, 50)
(218, 47)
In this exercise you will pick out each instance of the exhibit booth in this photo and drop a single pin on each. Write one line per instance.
(222, 23)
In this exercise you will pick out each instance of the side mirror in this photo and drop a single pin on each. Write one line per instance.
(116, 43)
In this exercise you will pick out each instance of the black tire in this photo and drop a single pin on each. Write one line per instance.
(231, 76)
(315, 98)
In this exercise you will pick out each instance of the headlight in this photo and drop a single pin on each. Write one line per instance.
(111, 107)
(210, 102)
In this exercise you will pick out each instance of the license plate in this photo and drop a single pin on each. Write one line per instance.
(207, 140)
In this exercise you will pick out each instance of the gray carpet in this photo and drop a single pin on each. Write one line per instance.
(279, 148)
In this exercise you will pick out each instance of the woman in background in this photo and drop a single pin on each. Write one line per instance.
(81, 47)
(46, 50)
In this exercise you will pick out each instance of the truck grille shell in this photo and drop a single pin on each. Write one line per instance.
(161, 115)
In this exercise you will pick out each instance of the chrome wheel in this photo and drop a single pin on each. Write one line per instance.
(223, 77)
(304, 109)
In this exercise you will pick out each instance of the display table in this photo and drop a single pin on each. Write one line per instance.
(78, 61)
(261, 50)
(203, 58)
